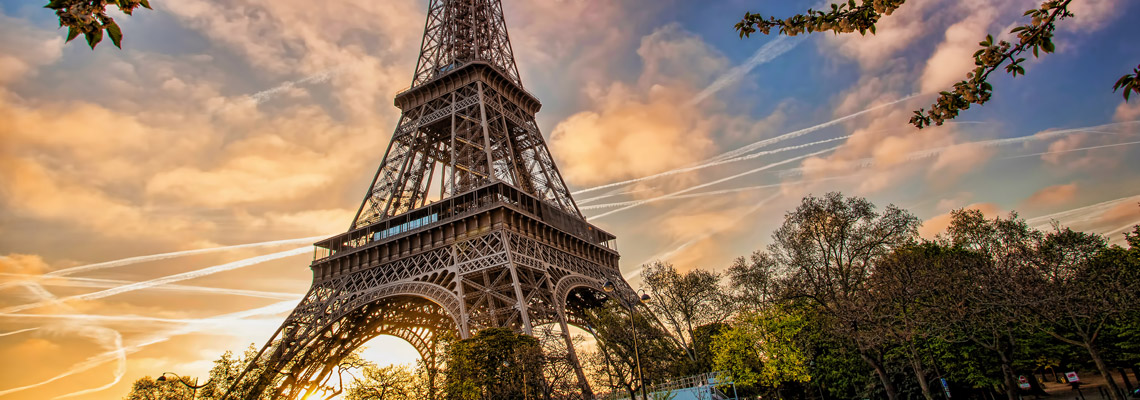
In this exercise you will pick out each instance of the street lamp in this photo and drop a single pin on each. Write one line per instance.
(642, 297)
(195, 386)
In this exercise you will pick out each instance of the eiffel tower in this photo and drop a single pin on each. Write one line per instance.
(467, 224)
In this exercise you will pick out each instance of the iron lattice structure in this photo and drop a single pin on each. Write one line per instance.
(467, 225)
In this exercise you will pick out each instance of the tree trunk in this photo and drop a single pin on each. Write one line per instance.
(916, 363)
(1114, 391)
(1036, 387)
(892, 393)
(1010, 380)
(1124, 377)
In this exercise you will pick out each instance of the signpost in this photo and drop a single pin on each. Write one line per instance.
(945, 387)
(1023, 383)
(1075, 382)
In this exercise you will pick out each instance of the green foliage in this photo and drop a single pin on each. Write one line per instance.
(393, 382)
(147, 388)
(1129, 82)
(764, 348)
(89, 18)
(843, 18)
(685, 300)
(1035, 36)
(496, 363)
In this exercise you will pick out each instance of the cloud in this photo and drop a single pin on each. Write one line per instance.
(1092, 15)
(1127, 111)
(953, 58)
(26, 264)
(25, 48)
(938, 224)
(893, 34)
(1052, 196)
(647, 128)
(954, 202)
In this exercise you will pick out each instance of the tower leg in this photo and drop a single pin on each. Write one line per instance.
(587, 392)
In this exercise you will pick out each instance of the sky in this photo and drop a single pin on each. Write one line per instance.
(158, 203)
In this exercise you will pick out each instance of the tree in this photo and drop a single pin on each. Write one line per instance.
(764, 347)
(981, 300)
(147, 388)
(226, 369)
(906, 285)
(756, 281)
(392, 382)
(496, 363)
(1075, 293)
(89, 18)
(616, 359)
(685, 301)
(829, 245)
(1036, 36)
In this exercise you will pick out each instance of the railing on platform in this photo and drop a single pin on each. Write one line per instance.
(461, 206)
(707, 386)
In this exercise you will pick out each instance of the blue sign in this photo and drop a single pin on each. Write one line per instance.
(945, 387)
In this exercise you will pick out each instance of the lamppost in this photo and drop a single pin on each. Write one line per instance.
(195, 386)
(642, 298)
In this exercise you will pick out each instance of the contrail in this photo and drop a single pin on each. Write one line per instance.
(164, 256)
(704, 185)
(921, 154)
(17, 332)
(165, 280)
(105, 337)
(714, 192)
(1121, 229)
(200, 325)
(768, 52)
(612, 194)
(756, 145)
(111, 283)
(1071, 150)
(706, 235)
(133, 319)
(805, 131)
(715, 163)
(323, 76)
(1085, 211)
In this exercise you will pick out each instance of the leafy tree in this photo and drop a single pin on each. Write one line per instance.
(1035, 36)
(829, 246)
(1074, 293)
(615, 362)
(685, 301)
(496, 363)
(764, 348)
(147, 388)
(755, 281)
(982, 300)
(393, 382)
(908, 284)
(89, 18)
(226, 369)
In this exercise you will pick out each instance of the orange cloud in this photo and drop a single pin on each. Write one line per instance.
(26, 264)
(1052, 196)
(938, 224)
(1124, 212)
(648, 128)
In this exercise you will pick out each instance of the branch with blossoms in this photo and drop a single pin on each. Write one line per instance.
(1036, 36)
(89, 17)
